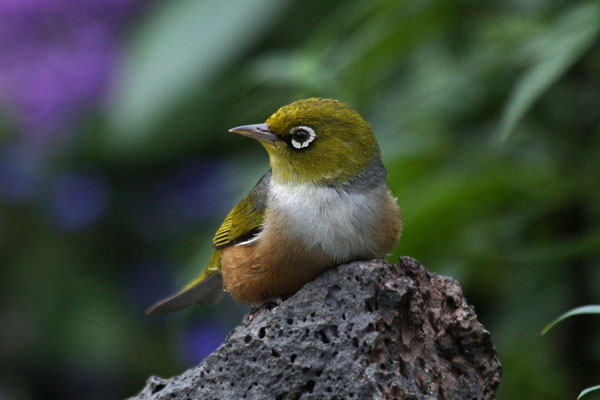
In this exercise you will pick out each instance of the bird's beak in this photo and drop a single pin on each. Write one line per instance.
(257, 131)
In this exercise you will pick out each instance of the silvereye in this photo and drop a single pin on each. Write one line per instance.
(323, 203)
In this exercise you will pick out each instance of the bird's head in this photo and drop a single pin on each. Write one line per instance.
(319, 141)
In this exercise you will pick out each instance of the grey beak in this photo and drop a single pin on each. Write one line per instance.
(257, 131)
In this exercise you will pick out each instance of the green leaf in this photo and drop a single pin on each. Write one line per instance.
(556, 51)
(588, 390)
(593, 309)
(175, 54)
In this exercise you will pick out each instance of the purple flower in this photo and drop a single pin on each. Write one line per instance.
(200, 340)
(85, 376)
(78, 200)
(149, 280)
(57, 58)
(20, 172)
(194, 190)
(179, 199)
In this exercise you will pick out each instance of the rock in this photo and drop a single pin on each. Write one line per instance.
(366, 330)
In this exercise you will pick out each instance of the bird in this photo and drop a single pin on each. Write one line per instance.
(324, 202)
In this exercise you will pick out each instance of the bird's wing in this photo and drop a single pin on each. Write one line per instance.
(246, 218)
(241, 224)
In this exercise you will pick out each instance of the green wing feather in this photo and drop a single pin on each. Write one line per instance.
(246, 218)
(243, 222)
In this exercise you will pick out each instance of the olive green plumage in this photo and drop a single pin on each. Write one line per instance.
(343, 146)
(245, 218)
(316, 142)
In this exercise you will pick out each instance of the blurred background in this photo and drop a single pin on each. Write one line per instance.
(116, 168)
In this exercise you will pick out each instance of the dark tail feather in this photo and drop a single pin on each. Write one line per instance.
(208, 291)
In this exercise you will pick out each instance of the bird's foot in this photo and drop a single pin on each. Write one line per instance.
(268, 303)
(272, 302)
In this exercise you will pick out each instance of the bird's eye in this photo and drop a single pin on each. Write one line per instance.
(302, 137)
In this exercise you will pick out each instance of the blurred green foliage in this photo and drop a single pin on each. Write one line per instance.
(583, 310)
(488, 117)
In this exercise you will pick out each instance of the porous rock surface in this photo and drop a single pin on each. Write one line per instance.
(366, 330)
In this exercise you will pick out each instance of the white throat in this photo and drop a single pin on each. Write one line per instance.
(335, 222)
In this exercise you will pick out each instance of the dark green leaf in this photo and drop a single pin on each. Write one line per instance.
(560, 48)
(179, 49)
(588, 390)
(593, 309)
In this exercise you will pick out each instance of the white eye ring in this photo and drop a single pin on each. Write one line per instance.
(307, 142)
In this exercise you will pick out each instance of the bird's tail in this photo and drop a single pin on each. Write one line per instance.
(206, 289)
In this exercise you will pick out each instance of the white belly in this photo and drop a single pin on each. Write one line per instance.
(335, 223)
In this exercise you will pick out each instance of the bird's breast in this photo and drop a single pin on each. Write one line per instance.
(306, 230)
(328, 221)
